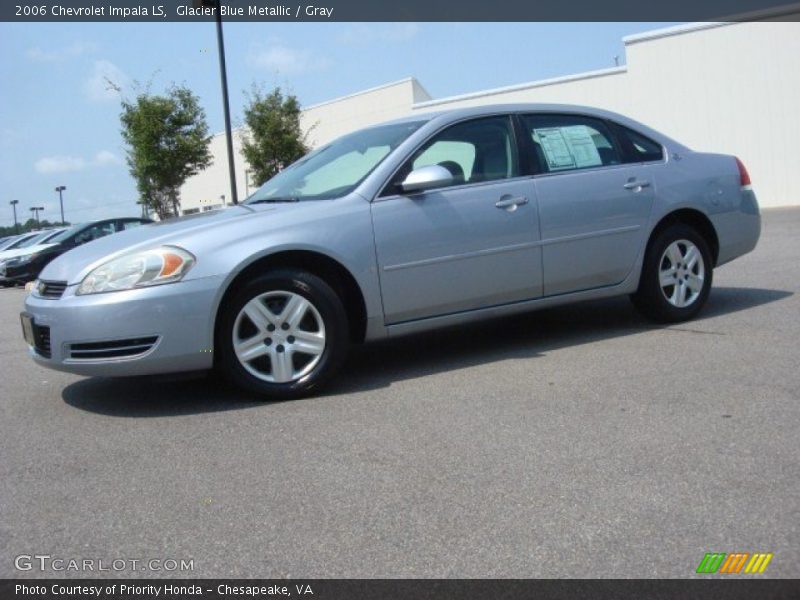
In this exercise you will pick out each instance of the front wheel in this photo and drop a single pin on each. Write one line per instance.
(283, 335)
(676, 275)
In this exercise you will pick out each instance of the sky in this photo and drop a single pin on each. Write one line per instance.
(59, 118)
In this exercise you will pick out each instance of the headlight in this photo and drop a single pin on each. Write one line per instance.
(20, 260)
(140, 269)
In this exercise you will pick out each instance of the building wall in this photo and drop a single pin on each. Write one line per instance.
(730, 88)
(321, 122)
(717, 87)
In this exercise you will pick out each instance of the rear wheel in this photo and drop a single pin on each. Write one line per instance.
(676, 275)
(283, 335)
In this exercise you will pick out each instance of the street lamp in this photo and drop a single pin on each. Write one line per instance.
(35, 210)
(13, 204)
(60, 189)
(215, 4)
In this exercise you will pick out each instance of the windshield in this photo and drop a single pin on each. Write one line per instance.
(17, 242)
(38, 239)
(336, 169)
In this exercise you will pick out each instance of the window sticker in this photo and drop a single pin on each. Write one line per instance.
(570, 147)
(555, 148)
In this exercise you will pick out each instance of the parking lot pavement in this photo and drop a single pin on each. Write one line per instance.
(573, 442)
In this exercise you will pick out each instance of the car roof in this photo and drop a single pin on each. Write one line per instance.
(456, 114)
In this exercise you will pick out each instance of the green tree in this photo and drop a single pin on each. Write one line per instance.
(167, 138)
(272, 138)
(29, 225)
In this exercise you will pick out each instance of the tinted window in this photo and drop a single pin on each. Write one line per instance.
(570, 142)
(473, 152)
(640, 148)
(18, 242)
(129, 225)
(95, 232)
(37, 239)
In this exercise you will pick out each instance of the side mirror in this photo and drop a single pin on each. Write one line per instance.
(426, 178)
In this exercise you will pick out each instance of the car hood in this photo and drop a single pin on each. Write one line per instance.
(6, 254)
(185, 232)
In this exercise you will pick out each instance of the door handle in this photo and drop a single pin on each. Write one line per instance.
(636, 185)
(511, 203)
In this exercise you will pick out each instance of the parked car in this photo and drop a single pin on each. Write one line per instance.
(419, 223)
(15, 241)
(26, 267)
(29, 247)
(39, 238)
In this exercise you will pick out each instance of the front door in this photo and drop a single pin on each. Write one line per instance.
(469, 245)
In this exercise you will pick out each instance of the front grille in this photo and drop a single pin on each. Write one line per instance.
(52, 289)
(112, 349)
(41, 339)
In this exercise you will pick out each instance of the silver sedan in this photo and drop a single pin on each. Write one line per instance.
(424, 222)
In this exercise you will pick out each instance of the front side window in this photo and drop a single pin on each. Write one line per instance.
(337, 169)
(95, 232)
(124, 225)
(473, 151)
(570, 142)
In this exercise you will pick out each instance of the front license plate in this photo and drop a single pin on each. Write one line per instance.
(27, 328)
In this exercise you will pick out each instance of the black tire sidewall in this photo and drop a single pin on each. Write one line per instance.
(330, 308)
(650, 298)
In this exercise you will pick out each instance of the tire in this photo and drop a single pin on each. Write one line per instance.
(285, 351)
(683, 300)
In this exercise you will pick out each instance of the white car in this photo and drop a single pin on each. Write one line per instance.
(40, 239)
(30, 248)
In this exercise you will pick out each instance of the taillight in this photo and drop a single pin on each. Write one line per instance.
(744, 176)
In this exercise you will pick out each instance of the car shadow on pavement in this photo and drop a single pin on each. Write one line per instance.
(378, 365)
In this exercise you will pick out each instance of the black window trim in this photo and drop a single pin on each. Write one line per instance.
(626, 145)
(538, 167)
(385, 192)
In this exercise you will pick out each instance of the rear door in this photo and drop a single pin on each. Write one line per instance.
(470, 245)
(594, 204)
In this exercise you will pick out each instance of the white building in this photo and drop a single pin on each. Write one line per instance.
(717, 87)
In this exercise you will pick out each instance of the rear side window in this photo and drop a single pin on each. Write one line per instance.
(570, 142)
(639, 148)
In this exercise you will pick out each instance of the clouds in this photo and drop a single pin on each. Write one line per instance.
(286, 60)
(106, 82)
(361, 34)
(65, 53)
(65, 164)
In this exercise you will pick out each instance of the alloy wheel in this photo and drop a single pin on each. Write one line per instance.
(681, 273)
(279, 336)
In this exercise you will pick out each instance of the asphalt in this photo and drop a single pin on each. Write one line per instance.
(579, 441)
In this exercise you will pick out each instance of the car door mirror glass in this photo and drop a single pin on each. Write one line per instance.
(426, 178)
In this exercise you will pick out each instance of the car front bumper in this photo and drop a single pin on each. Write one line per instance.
(162, 329)
(15, 274)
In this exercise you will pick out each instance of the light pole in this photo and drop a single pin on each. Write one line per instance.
(60, 189)
(215, 4)
(35, 210)
(13, 204)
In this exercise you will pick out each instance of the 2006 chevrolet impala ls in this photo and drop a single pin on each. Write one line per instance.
(418, 223)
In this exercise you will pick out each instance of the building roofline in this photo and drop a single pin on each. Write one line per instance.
(756, 15)
(523, 86)
(656, 34)
(359, 93)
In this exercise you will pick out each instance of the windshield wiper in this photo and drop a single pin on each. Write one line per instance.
(275, 200)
